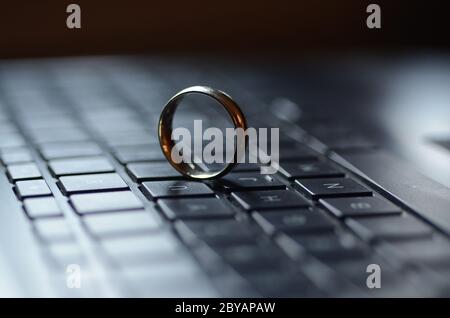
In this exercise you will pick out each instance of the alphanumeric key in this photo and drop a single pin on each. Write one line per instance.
(71, 149)
(393, 227)
(331, 246)
(294, 221)
(32, 188)
(296, 152)
(143, 154)
(118, 224)
(241, 167)
(195, 208)
(432, 252)
(250, 181)
(360, 206)
(312, 169)
(20, 155)
(42, 207)
(217, 232)
(11, 140)
(58, 135)
(250, 258)
(61, 167)
(22, 171)
(152, 171)
(92, 182)
(269, 199)
(332, 187)
(175, 188)
(105, 202)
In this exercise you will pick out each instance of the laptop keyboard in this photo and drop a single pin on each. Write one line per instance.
(80, 150)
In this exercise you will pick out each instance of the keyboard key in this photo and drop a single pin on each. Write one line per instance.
(104, 202)
(250, 258)
(32, 188)
(218, 232)
(241, 167)
(126, 223)
(12, 156)
(296, 152)
(140, 154)
(389, 227)
(149, 249)
(71, 149)
(11, 140)
(249, 181)
(86, 165)
(332, 187)
(269, 199)
(330, 246)
(180, 188)
(152, 171)
(48, 135)
(42, 207)
(195, 208)
(53, 230)
(92, 182)
(362, 206)
(293, 221)
(313, 169)
(431, 252)
(21, 171)
(131, 138)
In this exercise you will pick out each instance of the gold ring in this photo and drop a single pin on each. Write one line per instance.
(165, 130)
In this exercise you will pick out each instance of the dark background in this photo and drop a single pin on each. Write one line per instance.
(38, 28)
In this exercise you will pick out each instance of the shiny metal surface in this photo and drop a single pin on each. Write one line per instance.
(165, 130)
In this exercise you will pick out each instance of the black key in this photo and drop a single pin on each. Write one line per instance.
(296, 152)
(360, 206)
(389, 227)
(21, 171)
(195, 208)
(14, 155)
(142, 154)
(432, 252)
(32, 188)
(330, 246)
(347, 141)
(276, 284)
(250, 181)
(313, 169)
(152, 171)
(105, 201)
(131, 138)
(92, 182)
(269, 199)
(241, 167)
(58, 135)
(85, 165)
(293, 221)
(250, 258)
(217, 232)
(42, 207)
(71, 149)
(332, 187)
(175, 188)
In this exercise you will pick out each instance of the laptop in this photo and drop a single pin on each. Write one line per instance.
(360, 206)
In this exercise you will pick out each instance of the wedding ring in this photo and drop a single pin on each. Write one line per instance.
(165, 131)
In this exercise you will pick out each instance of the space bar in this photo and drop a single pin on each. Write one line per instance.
(403, 184)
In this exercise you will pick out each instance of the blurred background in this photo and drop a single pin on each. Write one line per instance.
(38, 28)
